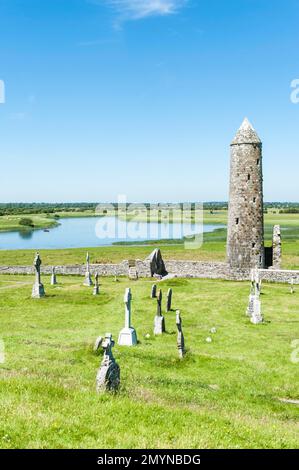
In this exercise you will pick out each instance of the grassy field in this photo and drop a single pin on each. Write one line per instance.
(12, 222)
(223, 394)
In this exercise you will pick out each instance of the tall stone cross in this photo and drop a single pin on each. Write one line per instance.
(87, 281)
(37, 264)
(128, 335)
(252, 294)
(38, 290)
(127, 301)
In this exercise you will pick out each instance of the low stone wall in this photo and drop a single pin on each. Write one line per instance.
(279, 275)
(121, 269)
(197, 269)
(185, 269)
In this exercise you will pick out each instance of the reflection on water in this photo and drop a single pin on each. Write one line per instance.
(26, 234)
(96, 231)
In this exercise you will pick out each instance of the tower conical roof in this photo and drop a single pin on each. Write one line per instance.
(246, 134)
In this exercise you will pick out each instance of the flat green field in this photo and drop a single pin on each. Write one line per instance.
(232, 392)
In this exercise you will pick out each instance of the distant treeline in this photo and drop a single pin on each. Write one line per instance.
(55, 208)
(44, 208)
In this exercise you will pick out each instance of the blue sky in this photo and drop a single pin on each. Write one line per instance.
(142, 97)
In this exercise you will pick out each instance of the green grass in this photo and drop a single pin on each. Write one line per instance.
(12, 222)
(223, 394)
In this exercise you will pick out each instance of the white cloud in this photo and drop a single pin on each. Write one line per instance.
(137, 9)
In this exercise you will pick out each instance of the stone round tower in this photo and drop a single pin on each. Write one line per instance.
(245, 237)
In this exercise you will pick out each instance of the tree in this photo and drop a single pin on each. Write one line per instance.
(26, 222)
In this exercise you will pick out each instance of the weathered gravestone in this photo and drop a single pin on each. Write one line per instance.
(53, 277)
(256, 316)
(127, 336)
(38, 290)
(108, 376)
(159, 323)
(154, 291)
(96, 289)
(87, 280)
(133, 274)
(251, 295)
(180, 339)
(169, 300)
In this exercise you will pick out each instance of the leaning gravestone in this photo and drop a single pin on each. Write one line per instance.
(108, 376)
(53, 277)
(127, 336)
(157, 265)
(256, 316)
(154, 291)
(96, 289)
(159, 323)
(180, 340)
(38, 290)
(87, 281)
(169, 300)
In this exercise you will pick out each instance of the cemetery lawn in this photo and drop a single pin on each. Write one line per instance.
(230, 393)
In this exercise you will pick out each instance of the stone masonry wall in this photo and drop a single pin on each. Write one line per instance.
(185, 269)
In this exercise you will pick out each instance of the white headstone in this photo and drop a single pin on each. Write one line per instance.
(53, 277)
(256, 317)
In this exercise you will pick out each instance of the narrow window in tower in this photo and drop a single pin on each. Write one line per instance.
(237, 221)
(253, 245)
(254, 199)
(258, 161)
(248, 177)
